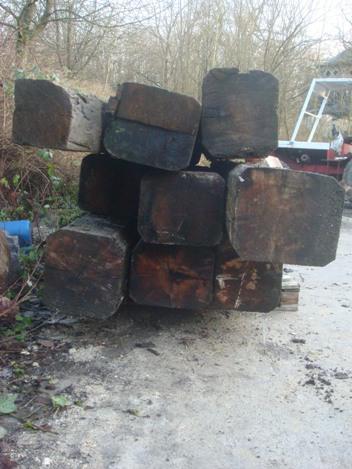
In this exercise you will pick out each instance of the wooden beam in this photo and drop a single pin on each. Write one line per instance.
(245, 285)
(283, 216)
(171, 276)
(110, 187)
(186, 208)
(153, 127)
(239, 117)
(50, 116)
(150, 146)
(86, 267)
(158, 107)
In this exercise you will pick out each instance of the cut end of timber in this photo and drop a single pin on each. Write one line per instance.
(86, 268)
(283, 216)
(245, 285)
(239, 116)
(186, 208)
(49, 116)
(171, 276)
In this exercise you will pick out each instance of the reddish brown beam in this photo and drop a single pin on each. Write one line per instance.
(245, 285)
(171, 276)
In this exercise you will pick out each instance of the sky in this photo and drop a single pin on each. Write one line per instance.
(329, 22)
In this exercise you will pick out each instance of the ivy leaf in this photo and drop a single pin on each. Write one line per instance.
(59, 401)
(7, 403)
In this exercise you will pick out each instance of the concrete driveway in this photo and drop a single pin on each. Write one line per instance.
(158, 389)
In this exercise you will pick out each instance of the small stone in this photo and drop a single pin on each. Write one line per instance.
(3, 432)
(341, 375)
(295, 340)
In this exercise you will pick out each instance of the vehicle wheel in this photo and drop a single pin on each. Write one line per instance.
(304, 158)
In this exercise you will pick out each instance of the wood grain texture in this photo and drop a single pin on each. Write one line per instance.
(239, 115)
(158, 107)
(86, 267)
(171, 276)
(283, 216)
(110, 187)
(245, 285)
(150, 146)
(186, 208)
(49, 116)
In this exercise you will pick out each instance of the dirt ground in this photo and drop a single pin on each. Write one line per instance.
(155, 389)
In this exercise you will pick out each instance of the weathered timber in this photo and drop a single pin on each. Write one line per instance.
(239, 115)
(158, 107)
(171, 276)
(245, 285)
(49, 116)
(86, 268)
(110, 187)
(147, 145)
(283, 216)
(9, 260)
(186, 208)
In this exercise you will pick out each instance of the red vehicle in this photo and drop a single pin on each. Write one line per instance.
(332, 158)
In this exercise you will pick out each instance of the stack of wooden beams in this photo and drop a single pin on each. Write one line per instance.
(161, 229)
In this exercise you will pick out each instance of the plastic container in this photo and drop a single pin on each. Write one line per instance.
(20, 228)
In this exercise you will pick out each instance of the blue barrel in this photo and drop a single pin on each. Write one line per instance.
(20, 228)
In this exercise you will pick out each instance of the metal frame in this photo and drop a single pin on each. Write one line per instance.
(321, 87)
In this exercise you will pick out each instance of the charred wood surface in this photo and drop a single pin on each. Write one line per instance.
(147, 145)
(239, 115)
